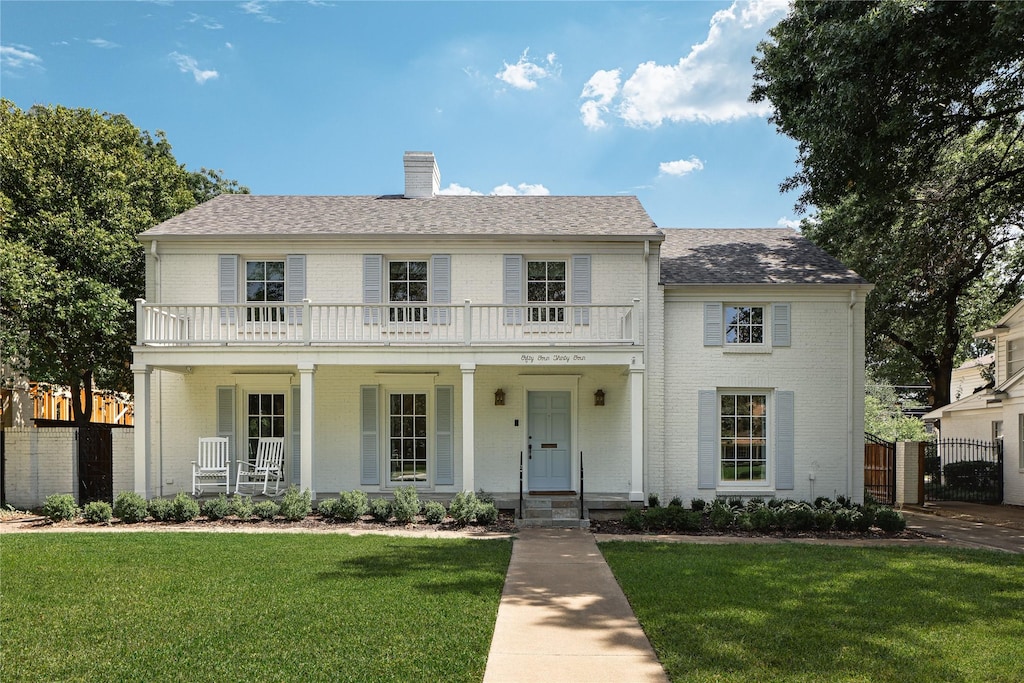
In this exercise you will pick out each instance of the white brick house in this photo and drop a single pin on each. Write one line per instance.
(442, 341)
(995, 412)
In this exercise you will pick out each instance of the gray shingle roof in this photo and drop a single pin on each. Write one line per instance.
(389, 215)
(759, 256)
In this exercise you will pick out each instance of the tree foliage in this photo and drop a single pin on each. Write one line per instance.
(909, 118)
(77, 188)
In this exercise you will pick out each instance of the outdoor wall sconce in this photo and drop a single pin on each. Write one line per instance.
(599, 397)
(499, 397)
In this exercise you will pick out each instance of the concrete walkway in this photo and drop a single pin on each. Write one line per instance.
(563, 617)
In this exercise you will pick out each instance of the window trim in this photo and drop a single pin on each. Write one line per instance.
(535, 306)
(285, 415)
(1019, 342)
(763, 325)
(423, 315)
(275, 310)
(384, 393)
(768, 483)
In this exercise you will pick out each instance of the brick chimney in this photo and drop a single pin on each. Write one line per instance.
(422, 179)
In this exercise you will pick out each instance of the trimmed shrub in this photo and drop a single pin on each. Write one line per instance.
(406, 504)
(161, 509)
(824, 519)
(241, 506)
(184, 508)
(762, 519)
(676, 502)
(97, 512)
(796, 517)
(486, 514)
(60, 507)
(266, 510)
(464, 507)
(865, 521)
(217, 508)
(327, 508)
(846, 519)
(380, 508)
(698, 504)
(634, 519)
(130, 507)
(296, 505)
(721, 516)
(744, 522)
(434, 512)
(890, 521)
(653, 500)
(351, 506)
(484, 497)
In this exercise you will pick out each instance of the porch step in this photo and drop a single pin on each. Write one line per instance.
(555, 511)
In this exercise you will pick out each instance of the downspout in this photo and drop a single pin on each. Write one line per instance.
(852, 398)
(159, 383)
(647, 358)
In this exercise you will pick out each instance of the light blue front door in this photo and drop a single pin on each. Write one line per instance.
(549, 467)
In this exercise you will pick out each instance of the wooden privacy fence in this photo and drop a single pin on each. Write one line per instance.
(880, 469)
(54, 403)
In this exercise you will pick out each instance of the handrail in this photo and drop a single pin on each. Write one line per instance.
(581, 485)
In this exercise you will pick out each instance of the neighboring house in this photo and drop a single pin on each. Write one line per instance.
(996, 413)
(473, 342)
(970, 376)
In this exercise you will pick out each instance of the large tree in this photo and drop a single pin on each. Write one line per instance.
(77, 188)
(909, 119)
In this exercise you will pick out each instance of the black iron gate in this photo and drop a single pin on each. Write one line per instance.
(964, 469)
(95, 464)
(880, 469)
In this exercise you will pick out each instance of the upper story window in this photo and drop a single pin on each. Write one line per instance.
(264, 284)
(407, 283)
(1014, 356)
(545, 284)
(744, 324)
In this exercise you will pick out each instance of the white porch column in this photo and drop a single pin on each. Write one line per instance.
(306, 385)
(143, 384)
(468, 426)
(636, 425)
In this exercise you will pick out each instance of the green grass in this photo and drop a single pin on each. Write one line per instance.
(233, 607)
(817, 613)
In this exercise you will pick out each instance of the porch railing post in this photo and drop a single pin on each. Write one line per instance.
(467, 322)
(636, 322)
(307, 322)
(140, 320)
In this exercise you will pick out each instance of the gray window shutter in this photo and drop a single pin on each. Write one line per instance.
(707, 437)
(227, 285)
(369, 450)
(581, 288)
(295, 285)
(373, 287)
(226, 417)
(296, 435)
(780, 325)
(785, 441)
(444, 415)
(440, 287)
(513, 285)
(713, 324)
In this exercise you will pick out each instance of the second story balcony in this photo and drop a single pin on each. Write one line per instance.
(389, 324)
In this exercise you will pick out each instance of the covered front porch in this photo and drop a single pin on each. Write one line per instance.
(443, 420)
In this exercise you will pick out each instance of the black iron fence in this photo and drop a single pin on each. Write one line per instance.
(964, 469)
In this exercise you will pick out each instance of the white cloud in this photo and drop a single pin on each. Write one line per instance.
(204, 21)
(258, 9)
(524, 74)
(710, 84)
(103, 43)
(503, 190)
(602, 88)
(681, 167)
(17, 58)
(456, 189)
(189, 65)
(788, 223)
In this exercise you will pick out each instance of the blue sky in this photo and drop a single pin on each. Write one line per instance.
(324, 97)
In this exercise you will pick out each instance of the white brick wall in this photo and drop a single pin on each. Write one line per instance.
(39, 463)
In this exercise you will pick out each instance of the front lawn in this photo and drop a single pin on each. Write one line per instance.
(234, 607)
(793, 612)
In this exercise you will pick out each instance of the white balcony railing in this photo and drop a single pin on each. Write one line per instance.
(387, 324)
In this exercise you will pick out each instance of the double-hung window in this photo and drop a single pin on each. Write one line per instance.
(264, 417)
(545, 284)
(743, 437)
(407, 285)
(1014, 356)
(264, 287)
(744, 325)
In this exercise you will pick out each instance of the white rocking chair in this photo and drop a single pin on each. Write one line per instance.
(268, 466)
(211, 466)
